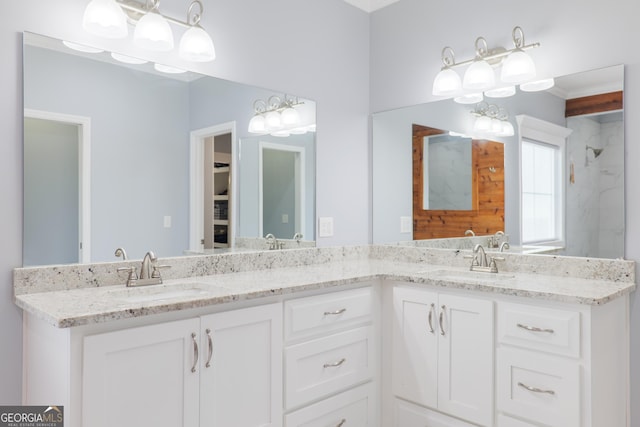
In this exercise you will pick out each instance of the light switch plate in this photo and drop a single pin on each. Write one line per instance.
(167, 221)
(325, 226)
(285, 219)
(405, 224)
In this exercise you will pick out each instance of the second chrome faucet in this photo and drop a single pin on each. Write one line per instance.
(149, 272)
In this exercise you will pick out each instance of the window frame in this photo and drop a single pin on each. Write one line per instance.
(536, 131)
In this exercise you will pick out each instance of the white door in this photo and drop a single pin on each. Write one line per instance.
(415, 346)
(241, 368)
(465, 362)
(145, 376)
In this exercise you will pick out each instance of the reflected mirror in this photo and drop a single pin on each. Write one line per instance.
(123, 155)
(588, 104)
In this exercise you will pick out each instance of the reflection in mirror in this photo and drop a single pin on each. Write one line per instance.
(132, 134)
(589, 103)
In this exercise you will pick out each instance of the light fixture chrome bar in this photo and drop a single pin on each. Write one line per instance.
(141, 10)
(492, 56)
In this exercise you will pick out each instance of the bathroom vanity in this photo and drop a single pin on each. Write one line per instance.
(363, 336)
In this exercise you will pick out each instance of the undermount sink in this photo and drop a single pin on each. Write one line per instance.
(159, 293)
(474, 276)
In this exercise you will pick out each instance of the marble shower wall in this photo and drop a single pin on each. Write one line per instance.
(595, 200)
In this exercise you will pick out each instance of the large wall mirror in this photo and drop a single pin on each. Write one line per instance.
(587, 105)
(126, 155)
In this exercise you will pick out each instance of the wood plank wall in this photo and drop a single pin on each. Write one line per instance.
(611, 101)
(487, 215)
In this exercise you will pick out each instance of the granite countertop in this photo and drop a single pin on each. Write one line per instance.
(76, 307)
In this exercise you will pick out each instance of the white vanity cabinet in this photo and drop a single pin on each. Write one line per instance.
(562, 365)
(330, 360)
(216, 370)
(442, 356)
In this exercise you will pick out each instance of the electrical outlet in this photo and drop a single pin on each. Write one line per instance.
(325, 226)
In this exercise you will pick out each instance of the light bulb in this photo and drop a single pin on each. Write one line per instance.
(153, 33)
(479, 76)
(518, 68)
(196, 45)
(447, 83)
(105, 18)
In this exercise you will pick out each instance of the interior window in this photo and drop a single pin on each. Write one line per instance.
(542, 201)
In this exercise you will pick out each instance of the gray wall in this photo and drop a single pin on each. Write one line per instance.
(407, 37)
(326, 63)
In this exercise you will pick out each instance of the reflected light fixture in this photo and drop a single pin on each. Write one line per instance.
(81, 48)
(128, 59)
(491, 120)
(108, 18)
(282, 117)
(167, 69)
(517, 68)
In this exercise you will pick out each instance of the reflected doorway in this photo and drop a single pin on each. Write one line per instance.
(56, 189)
(281, 189)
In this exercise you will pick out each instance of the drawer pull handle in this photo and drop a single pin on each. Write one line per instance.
(335, 313)
(431, 318)
(535, 329)
(341, 423)
(195, 352)
(335, 364)
(536, 390)
(210, 341)
(444, 308)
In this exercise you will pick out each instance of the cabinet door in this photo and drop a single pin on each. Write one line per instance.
(141, 377)
(241, 368)
(465, 362)
(415, 346)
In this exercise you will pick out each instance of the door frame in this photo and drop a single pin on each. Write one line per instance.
(299, 176)
(84, 173)
(196, 182)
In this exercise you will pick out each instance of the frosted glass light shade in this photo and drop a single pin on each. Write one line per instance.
(105, 18)
(153, 33)
(507, 129)
(479, 76)
(447, 83)
(257, 124)
(168, 69)
(518, 68)
(290, 117)
(501, 92)
(196, 45)
(470, 98)
(273, 121)
(81, 47)
(482, 124)
(537, 85)
(128, 59)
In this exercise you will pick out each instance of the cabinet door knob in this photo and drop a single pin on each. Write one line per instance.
(210, 341)
(431, 309)
(443, 309)
(536, 390)
(195, 352)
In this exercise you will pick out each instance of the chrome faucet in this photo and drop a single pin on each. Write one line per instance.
(504, 246)
(273, 242)
(297, 237)
(480, 262)
(149, 272)
(469, 233)
(120, 252)
(495, 240)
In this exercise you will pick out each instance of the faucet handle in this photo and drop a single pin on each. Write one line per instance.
(156, 271)
(133, 275)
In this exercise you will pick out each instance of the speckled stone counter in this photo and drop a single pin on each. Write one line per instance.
(67, 296)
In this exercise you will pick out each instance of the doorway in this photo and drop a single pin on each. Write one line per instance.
(56, 188)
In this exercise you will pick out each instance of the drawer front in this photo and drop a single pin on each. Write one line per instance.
(353, 408)
(324, 313)
(506, 421)
(327, 365)
(544, 329)
(407, 414)
(539, 387)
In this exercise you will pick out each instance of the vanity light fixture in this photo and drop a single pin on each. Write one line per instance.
(491, 120)
(108, 18)
(517, 68)
(281, 117)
